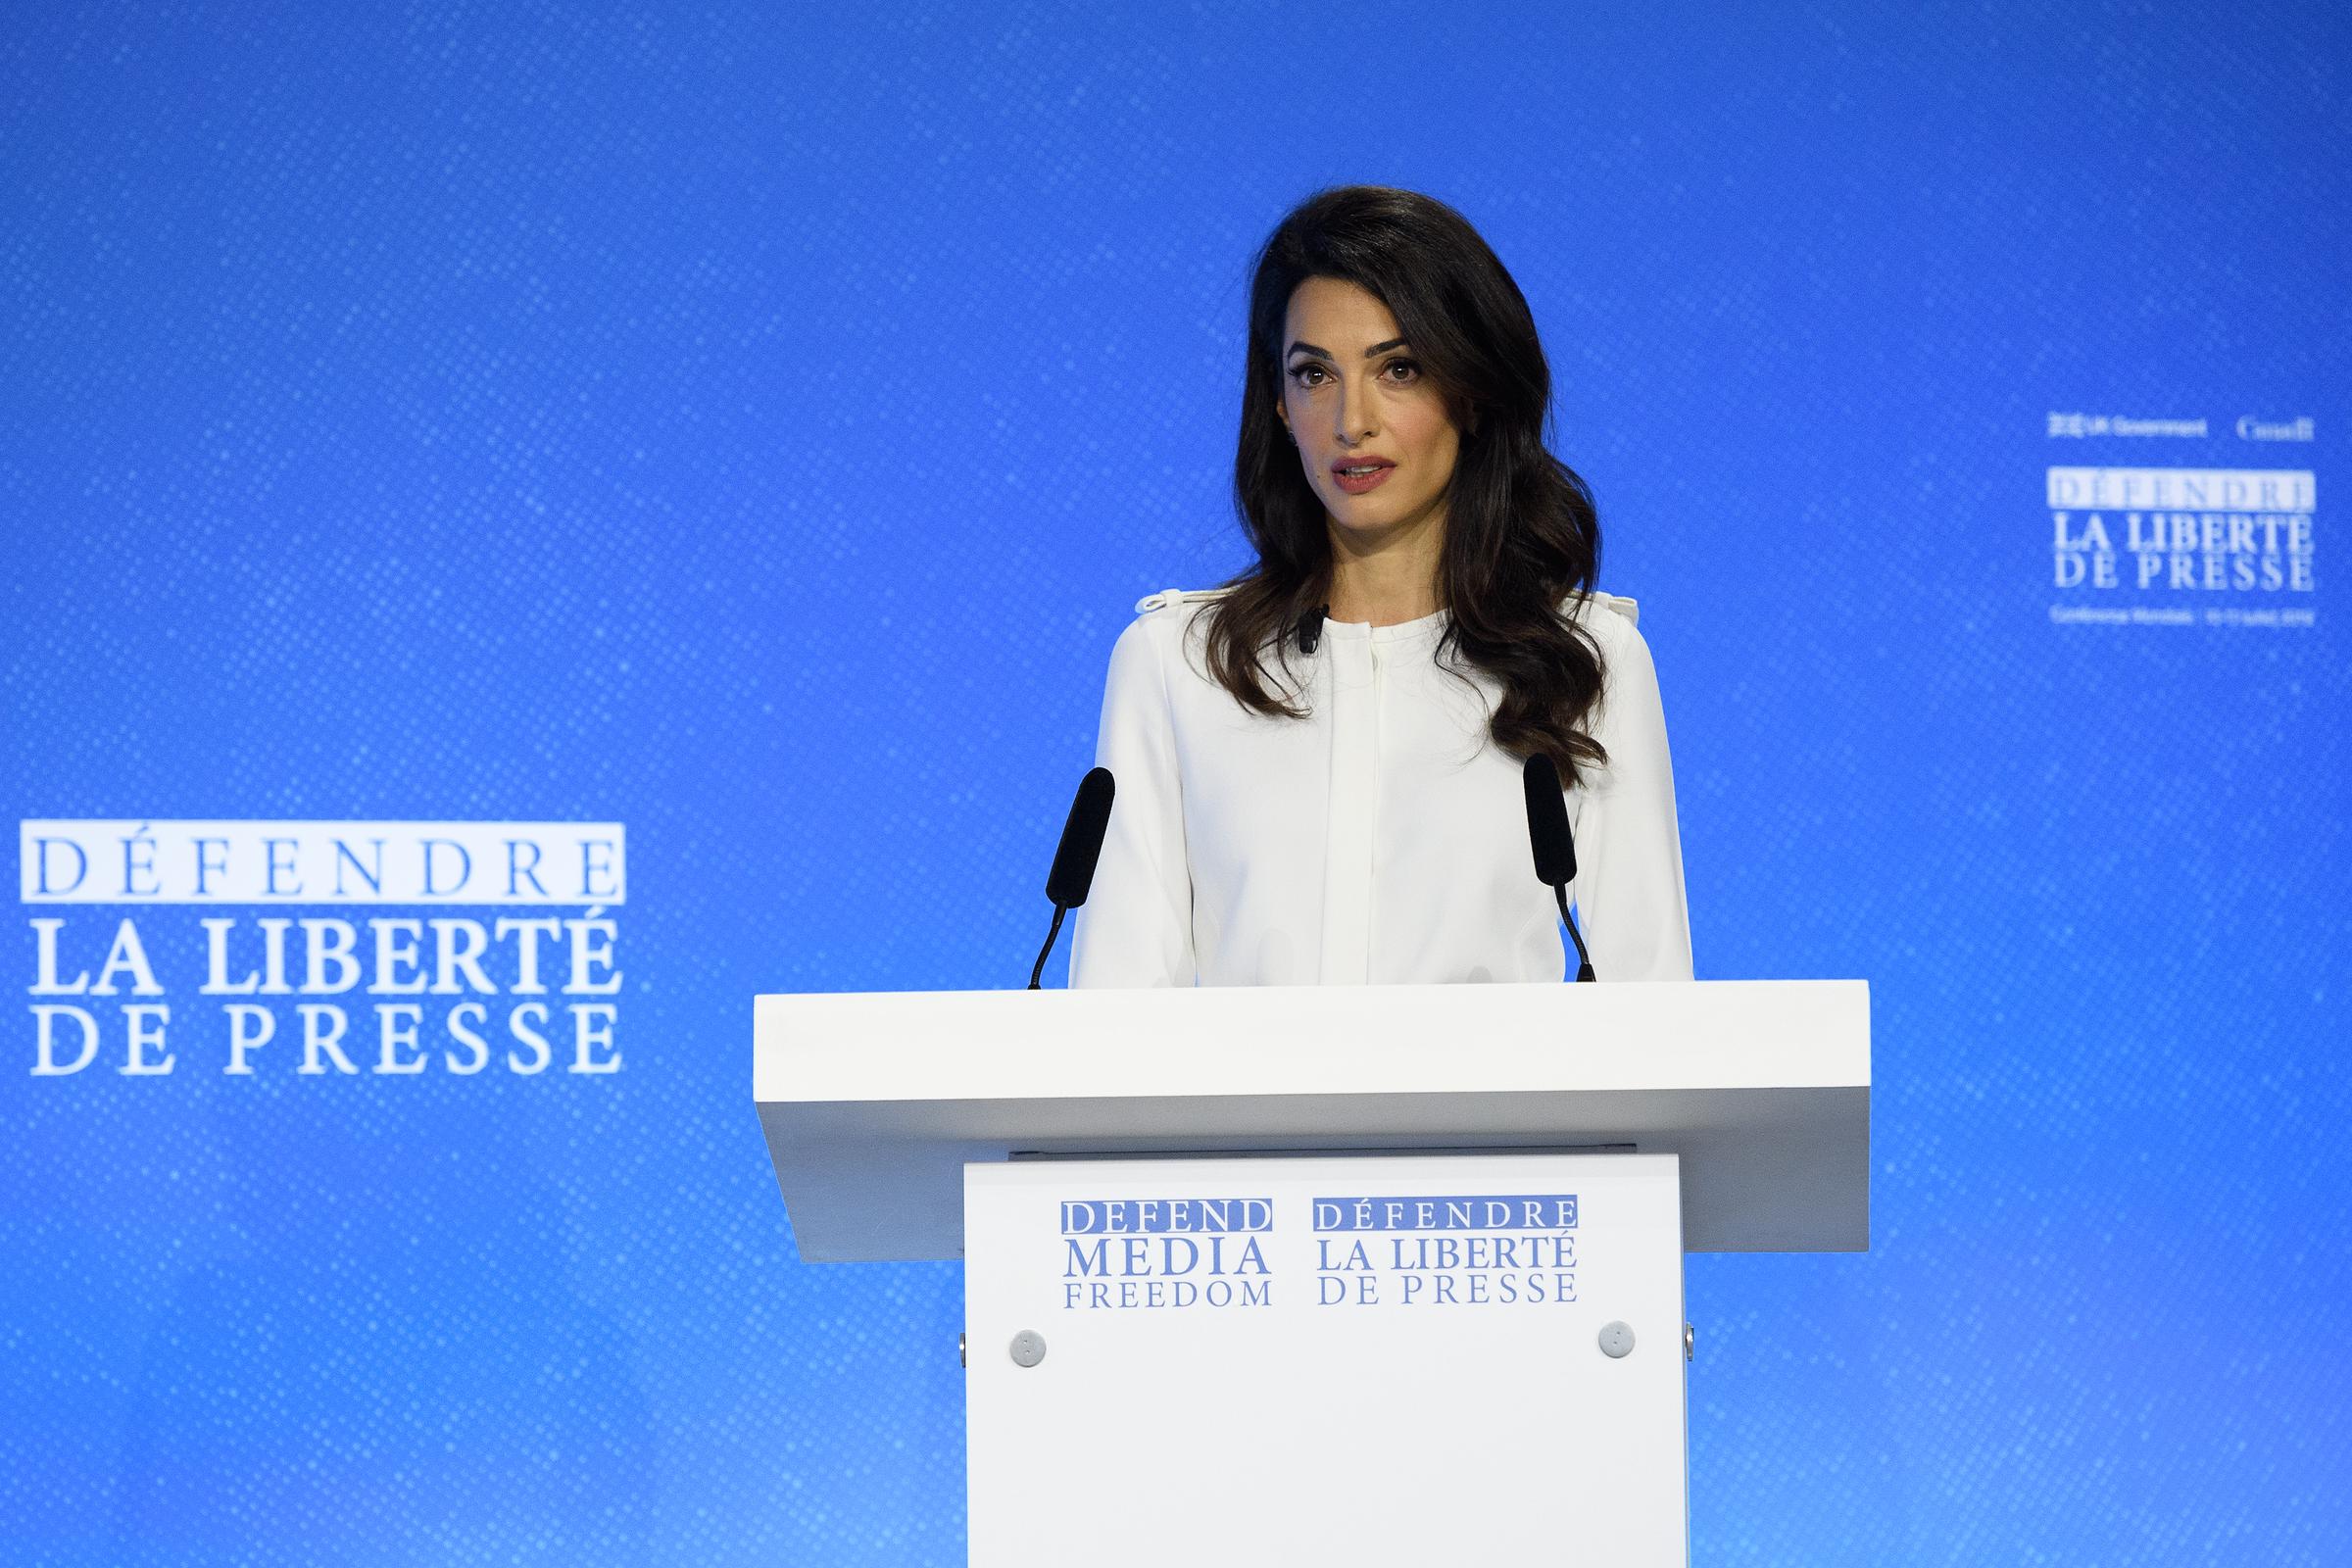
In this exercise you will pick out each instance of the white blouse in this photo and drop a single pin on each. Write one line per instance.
(1382, 839)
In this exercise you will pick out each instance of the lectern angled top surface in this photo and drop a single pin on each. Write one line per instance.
(872, 1103)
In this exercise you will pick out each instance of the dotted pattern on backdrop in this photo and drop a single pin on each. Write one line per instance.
(755, 427)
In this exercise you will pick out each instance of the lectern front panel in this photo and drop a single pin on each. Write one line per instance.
(1370, 1360)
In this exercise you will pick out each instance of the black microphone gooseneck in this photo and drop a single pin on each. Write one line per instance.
(1555, 846)
(1074, 860)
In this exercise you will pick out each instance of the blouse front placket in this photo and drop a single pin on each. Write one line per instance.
(1357, 664)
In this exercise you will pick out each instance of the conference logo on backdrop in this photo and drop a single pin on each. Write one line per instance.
(322, 950)
(2223, 542)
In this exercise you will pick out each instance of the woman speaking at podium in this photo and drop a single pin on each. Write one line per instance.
(1318, 764)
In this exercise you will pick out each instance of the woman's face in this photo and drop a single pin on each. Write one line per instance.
(1356, 398)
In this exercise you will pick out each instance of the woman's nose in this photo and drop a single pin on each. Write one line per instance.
(1354, 414)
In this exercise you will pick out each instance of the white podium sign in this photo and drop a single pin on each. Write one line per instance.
(1384, 1362)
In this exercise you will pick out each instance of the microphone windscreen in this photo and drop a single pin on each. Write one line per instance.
(1311, 628)
(1081, 841)
(1548, 823)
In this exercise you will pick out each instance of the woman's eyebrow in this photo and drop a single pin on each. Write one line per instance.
(1326, 354)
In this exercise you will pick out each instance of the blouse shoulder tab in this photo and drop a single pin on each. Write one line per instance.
(1170, 598)
(1596, 600)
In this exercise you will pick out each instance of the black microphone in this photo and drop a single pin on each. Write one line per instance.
(1311, 628)
(1073, 872)
(1555, 846)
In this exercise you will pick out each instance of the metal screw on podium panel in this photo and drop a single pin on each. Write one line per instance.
(1616, 1340)
(960, 1356)
(1690, 1343)
(1028, 1348)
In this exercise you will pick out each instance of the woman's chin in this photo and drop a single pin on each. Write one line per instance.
(1360, 520)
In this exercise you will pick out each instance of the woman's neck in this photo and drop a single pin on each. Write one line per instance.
(1389, 578)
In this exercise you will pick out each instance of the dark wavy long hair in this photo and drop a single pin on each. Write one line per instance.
(1521, 535)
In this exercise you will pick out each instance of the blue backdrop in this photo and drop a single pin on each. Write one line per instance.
(752, 424)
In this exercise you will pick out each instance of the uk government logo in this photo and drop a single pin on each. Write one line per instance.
(323, 950)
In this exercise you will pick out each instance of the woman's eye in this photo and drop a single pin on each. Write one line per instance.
(1411, 372)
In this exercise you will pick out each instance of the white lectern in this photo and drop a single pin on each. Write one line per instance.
(1377, 1275)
